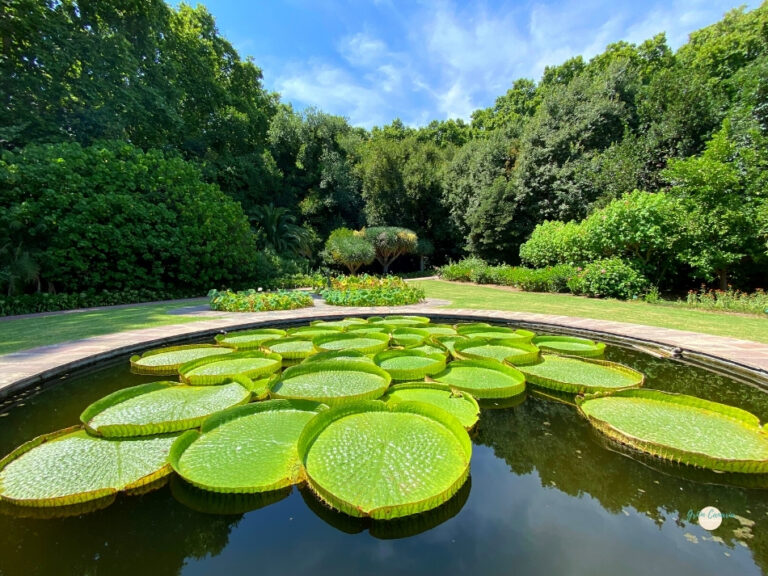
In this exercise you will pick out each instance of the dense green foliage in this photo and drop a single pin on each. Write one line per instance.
(641, 153)
(348, 249)
(547, 279)
(256, 301)
(368, 290)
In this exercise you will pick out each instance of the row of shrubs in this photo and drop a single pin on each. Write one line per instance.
(47, 302)
(258, 300)
(366, 290)
(609, 278)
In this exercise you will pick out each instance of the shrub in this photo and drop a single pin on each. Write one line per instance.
(44, 302)
(111, 216)
(730, 299)
(389, 243)
(553, 243)
(609, 278)
(258, 301)
(368, 290)
(550, 279)
(466, 270)
(345, 248)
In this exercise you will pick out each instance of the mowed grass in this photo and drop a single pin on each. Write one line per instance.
(24, 333)
(663, 315)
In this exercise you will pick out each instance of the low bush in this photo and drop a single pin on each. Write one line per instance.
(44, 302)
(731, 300)
(258, 301)
(609, 278)
(549, 279)
(365, 290)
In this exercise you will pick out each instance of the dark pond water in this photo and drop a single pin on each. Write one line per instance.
(547, 496)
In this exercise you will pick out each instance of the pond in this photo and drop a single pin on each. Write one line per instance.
(547, 495)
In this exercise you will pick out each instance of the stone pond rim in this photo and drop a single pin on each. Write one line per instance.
(742, 359)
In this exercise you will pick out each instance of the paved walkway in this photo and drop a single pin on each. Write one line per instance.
(20, 370)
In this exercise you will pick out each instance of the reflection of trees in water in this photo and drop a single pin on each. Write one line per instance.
(568, 455)
(150, 534)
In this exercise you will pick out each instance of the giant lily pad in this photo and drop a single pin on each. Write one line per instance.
(291, 349)
(439, 329)
(70, 466)
(246, 449)
(681, 428)
(409, 364)
(462, 406)
(385, 460)
(310, 332)
(482, 378)
(570, 345)
(401, 320)
(367, 328)
(365, 343)
(494, 332)
(512, 351)
(218, 370)
(332, 382)
(580, 375)
(449, 342)
(352, 355)
(166, 361)
(407, 336)
(159, 407)
(249, 339)
(343, 323)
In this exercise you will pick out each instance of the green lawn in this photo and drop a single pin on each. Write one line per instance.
(24, 333)
(667, 316)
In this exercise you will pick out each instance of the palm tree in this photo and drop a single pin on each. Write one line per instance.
(277, 229)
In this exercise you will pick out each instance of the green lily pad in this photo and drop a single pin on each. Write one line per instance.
(449, 342)
(352, 355)
(310, 332)
(292, 348)
(400, 320)
(365, 343)
(385, 460)
(409, 364)
(581, 375)
(439, 329)
(462, 406)
(218, 370)
(332, 382)
(408, 336)
(681, 428)
(512, 351)
(368, 328)
(218, 503)
(570, 345)
(159, 407)
(70, 467)
(249, 339)
(482, 378)
(494, 332)
(246, 449)
(430, 348)
(166, 361)
(343, 323)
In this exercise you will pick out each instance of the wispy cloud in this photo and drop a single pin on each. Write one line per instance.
(444, 59)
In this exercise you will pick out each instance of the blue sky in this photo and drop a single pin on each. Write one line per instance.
(373, 61)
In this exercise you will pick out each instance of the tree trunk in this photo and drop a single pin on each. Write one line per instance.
(723, 275)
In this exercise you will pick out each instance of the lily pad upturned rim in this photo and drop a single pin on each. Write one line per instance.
(666, 452)
(333, 366)
(436, 366)
(354, 355)
(567, 387)
(482, 393)
(465, 396)
(124, 430)
(531, 355)
(506, 332)
(184, 441)
(320, 341)
(369, 327)
(169, 369)
(596, 348)
(320, 422)
(213, 379)
(409, 336)
(397, 320)
(291, 354)
(138, 486)
(221, 339)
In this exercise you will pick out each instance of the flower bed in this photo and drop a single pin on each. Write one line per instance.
(368, 290)
(258, 301)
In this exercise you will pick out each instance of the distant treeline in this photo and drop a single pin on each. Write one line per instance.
(140, 151)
